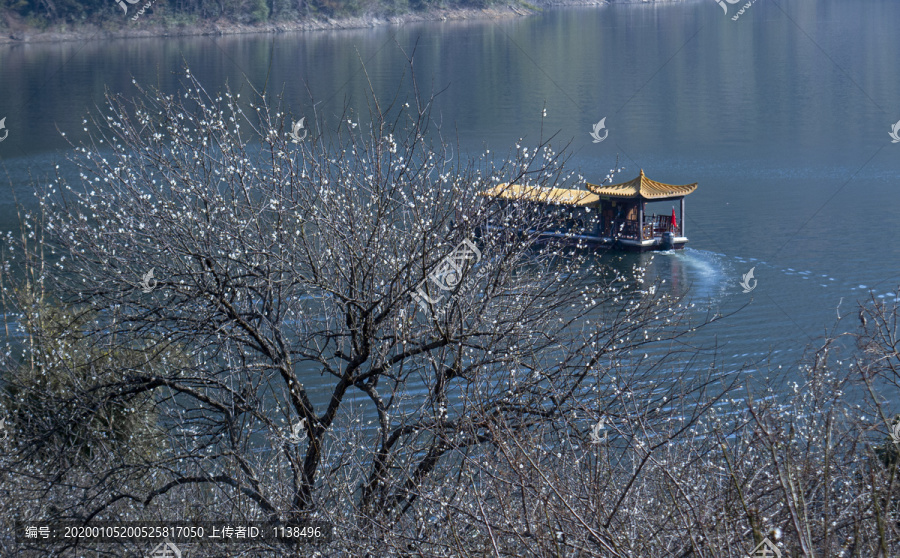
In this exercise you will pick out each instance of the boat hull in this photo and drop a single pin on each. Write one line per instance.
(625, 244)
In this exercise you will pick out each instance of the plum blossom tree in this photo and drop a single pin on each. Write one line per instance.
(342, 329)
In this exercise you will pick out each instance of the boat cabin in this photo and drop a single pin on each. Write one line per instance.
(614, 215)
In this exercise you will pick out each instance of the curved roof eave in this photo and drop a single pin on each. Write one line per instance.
(643, 187)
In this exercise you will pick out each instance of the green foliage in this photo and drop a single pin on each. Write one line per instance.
(477, 3)
(425, 4)
(58, 399)
(259, 11)
(281, 9)
(395, 7)
(326, 7)
(15, 6)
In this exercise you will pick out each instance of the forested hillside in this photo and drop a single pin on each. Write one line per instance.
(41, 13)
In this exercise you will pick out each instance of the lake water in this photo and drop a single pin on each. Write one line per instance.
(782, 117)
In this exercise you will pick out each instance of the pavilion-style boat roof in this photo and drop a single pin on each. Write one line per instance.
(558, 196)
(642, 187)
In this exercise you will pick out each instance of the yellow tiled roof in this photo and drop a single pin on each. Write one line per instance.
(559, 196)
(642, 187)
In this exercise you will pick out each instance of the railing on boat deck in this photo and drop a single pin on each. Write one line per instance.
(623, 229)
(656, 225)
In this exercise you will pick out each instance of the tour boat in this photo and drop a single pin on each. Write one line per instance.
(613, 216)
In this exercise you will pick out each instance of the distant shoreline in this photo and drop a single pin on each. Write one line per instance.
(18, 33)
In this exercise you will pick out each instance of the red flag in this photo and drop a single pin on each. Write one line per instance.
(674, 221)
